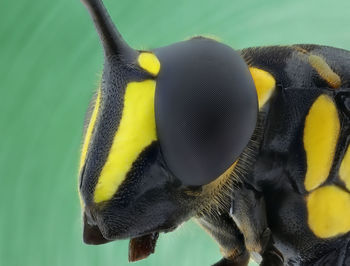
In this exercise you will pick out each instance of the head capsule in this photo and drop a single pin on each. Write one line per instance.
(163, 122)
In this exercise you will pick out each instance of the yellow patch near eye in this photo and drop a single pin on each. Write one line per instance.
(149, 62)
(264, 83)
(321, 134)
(344, 171)
(328, 211)
(136, 131)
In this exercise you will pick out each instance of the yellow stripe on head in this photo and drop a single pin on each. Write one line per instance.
(87, 138)
(321, 134)
(89, 130)
(149, 62)
(264, 84)
(136, 131)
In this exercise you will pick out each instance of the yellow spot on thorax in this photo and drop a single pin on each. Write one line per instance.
(328, 211)
(321, 134)
(149, 62)
(300, 49)
(264, 83)
(324, 70)
(344, 171)
(137, 130)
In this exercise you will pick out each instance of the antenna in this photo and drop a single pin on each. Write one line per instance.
(112, 41)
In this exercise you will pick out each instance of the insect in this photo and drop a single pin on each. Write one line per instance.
(254, 144)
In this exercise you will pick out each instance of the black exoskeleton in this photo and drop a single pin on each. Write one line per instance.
(253, 144)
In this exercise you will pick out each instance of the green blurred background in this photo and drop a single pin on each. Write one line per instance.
(50, 60)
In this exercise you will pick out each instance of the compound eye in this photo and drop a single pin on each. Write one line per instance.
(206, 109)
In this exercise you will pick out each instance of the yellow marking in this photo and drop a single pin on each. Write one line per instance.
(149, 62)
(87, 138)
(321, 134)
(300, 49)
(89, 130)
(264, 83)
(137, 130)
(328, 211)
(324, 70)
(344, 171)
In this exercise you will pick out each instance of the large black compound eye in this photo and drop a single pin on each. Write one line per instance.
(206, 108)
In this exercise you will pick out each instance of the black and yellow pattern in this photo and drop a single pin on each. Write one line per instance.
(301, 165)
(254, 144)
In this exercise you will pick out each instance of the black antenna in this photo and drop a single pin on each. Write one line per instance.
(112, 41)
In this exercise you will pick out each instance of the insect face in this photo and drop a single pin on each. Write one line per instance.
(125, 187)
(164, 125)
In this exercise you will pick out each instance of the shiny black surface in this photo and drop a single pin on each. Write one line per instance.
(206, 108)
